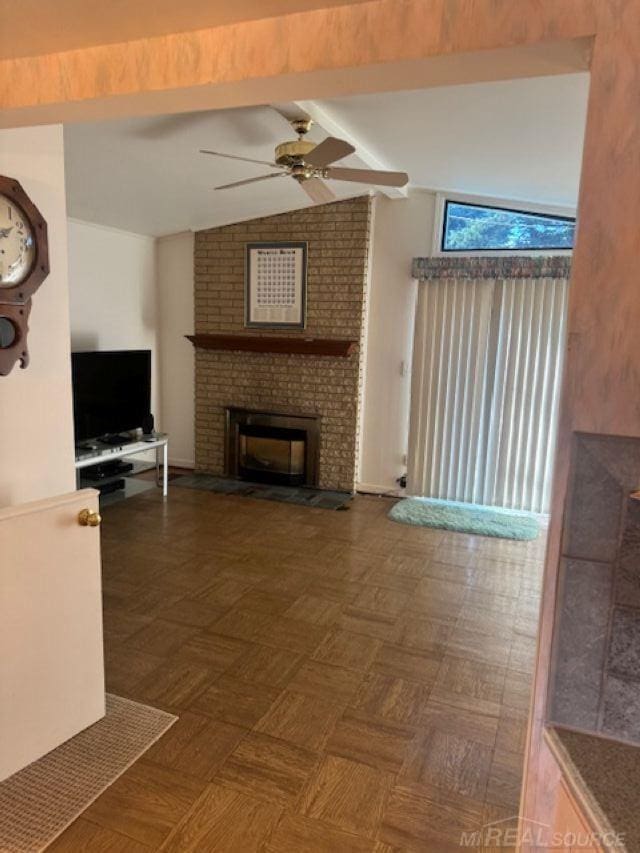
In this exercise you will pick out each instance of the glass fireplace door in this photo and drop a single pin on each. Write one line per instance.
(272, 454)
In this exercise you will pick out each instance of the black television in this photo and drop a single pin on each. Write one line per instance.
(111, 392)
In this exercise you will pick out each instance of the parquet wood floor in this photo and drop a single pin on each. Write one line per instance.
(343, 683)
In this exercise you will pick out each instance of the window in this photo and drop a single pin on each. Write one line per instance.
(470, 227)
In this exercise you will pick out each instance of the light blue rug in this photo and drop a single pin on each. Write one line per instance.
(466, 518)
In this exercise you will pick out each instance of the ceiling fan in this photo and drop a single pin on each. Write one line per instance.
(308, 163)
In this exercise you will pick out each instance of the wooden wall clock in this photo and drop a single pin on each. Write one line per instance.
(24, 265)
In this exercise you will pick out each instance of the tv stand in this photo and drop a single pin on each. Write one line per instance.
(106, 470)
(99, 454)
(115, 440)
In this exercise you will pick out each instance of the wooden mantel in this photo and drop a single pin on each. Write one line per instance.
(288, 345)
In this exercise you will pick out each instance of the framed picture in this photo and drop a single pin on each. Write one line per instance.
(276, 285)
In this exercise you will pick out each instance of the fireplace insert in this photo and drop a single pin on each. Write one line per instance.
(272, 454)
(267, 447)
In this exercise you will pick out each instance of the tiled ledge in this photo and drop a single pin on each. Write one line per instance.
(596, 681)
(604, 777)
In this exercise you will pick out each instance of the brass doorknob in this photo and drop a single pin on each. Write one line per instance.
(86, 518)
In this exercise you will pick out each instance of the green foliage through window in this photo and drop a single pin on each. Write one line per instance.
(478, 228)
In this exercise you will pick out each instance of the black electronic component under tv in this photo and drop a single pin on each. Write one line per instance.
(111, 392)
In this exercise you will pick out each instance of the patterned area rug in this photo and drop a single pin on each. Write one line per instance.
(466, 518)
(40, 801)
(286, 494)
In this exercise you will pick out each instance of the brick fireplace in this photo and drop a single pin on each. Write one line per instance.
(325, 388)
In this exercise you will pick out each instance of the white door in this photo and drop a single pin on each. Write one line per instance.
(51, 655)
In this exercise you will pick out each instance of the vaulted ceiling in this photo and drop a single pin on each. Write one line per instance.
(516, 139)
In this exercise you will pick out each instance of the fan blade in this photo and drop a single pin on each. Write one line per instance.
(317, 190)
(329, 151)
(235, 157)
(368, 176)
(251, 181)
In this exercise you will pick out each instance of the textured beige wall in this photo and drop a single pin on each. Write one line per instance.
(338, 238)
(370, 46)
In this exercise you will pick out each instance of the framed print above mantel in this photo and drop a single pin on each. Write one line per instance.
(276, 285)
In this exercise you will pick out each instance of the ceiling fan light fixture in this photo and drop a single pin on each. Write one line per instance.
(293, 152)
(309, 163)
(300, 172)
(301, 126)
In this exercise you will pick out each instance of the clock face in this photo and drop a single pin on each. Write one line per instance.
(17, 244)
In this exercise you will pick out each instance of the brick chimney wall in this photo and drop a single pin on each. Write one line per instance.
(338, 237)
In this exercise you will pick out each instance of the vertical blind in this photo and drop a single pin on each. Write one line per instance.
(487, 366)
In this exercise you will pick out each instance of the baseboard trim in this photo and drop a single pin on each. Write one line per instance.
(372, 489)
(182, 463)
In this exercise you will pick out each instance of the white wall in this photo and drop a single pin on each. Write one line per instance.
(402, 230)
(36, 423)
(112, 293)
(129, 291)
(174, 262)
